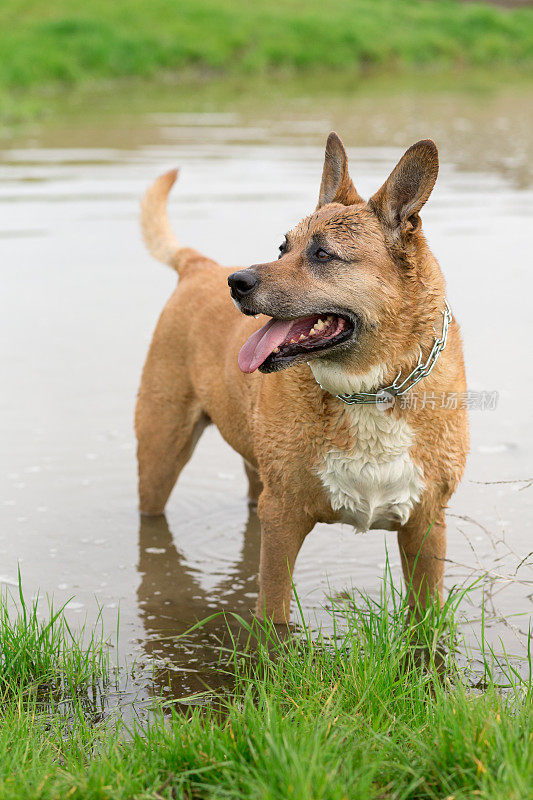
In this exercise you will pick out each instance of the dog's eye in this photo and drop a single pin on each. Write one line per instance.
(282, 249)
(321, 255)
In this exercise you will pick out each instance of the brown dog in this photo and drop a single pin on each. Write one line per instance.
(355, 298)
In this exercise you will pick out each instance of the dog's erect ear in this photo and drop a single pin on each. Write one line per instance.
(407, 188)
(336, 186)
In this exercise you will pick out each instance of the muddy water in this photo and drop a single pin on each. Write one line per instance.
(80, 298)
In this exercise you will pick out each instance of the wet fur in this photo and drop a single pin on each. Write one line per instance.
(310, 458)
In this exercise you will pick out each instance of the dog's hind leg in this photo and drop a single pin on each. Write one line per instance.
(168, 418)
(166, 438)
(254, 483)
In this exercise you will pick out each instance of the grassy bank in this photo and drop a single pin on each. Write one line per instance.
(46, 45)
(378, 711)
(45, 658)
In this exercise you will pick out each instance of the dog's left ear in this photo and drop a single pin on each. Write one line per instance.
(336, 186)
(407, 188)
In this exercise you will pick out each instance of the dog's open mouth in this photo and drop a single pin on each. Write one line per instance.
(280, 342)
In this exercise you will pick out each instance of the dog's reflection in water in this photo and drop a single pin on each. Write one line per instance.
(171, 600)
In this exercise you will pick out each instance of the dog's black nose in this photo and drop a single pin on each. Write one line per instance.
(242, 283)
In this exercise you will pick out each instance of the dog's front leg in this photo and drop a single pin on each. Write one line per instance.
(284, 526)
(422, 543)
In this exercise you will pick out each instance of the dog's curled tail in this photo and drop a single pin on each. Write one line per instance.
(157, 233)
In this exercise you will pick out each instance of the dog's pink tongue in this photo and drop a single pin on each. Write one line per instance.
(262, 343)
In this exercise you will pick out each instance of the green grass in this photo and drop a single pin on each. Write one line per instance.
(46, 45)
(43, 657)
(379, 710)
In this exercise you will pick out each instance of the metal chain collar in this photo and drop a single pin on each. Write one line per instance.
(397, 389)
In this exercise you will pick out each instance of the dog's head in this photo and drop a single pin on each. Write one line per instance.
(347, 276)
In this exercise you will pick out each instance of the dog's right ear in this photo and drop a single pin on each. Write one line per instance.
(336, 186)
(398, 202)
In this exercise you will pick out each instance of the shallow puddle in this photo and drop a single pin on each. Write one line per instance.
(81, 298)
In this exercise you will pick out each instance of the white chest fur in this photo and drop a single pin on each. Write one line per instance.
(376, 483)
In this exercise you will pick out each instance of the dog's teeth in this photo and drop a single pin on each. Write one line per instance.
(275, 350)
(313, 332)
(256, 316)
(302, 336)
